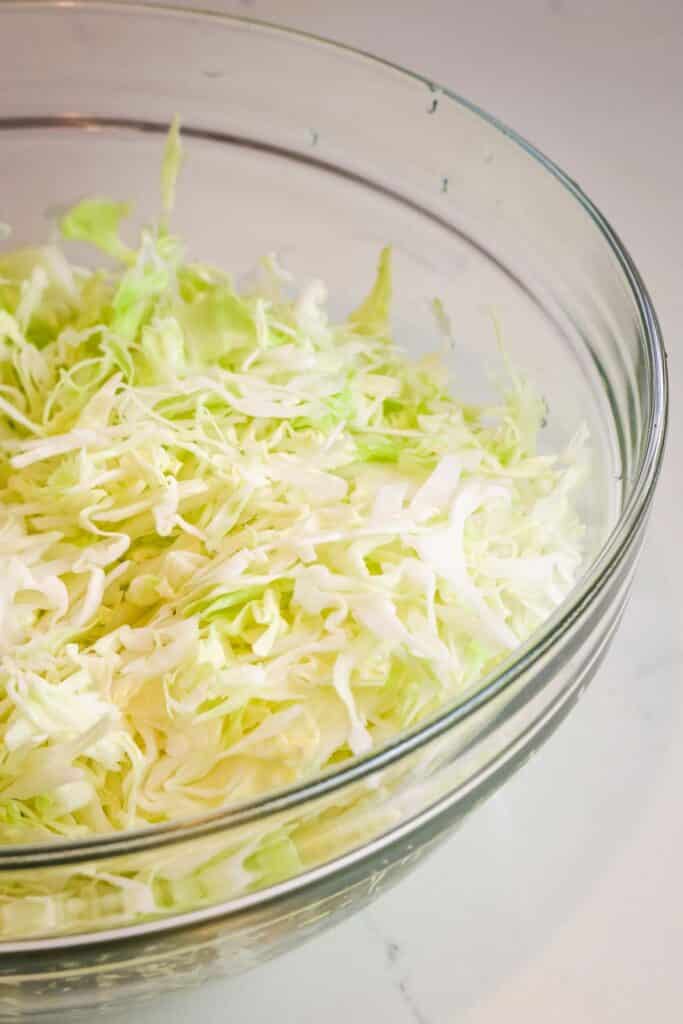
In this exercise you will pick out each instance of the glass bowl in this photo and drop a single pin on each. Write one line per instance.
(324, 155)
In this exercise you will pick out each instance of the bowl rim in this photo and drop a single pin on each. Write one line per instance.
(595, 580)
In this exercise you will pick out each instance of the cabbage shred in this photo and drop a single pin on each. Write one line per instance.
(240, 544)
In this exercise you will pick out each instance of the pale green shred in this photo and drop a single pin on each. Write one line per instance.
(240, 543)
(372, 316)
(170, 168)
(98, 222)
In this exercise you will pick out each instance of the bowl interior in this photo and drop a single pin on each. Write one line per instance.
(239, 200)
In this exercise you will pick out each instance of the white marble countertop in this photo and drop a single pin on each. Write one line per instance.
(561, 900)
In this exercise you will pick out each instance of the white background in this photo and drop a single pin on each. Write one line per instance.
(562, 899)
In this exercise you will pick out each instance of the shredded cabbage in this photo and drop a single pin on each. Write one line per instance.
(240, 543)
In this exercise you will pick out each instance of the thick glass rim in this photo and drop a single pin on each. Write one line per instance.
(597, 577)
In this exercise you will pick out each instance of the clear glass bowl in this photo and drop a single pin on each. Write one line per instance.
(324, 154)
